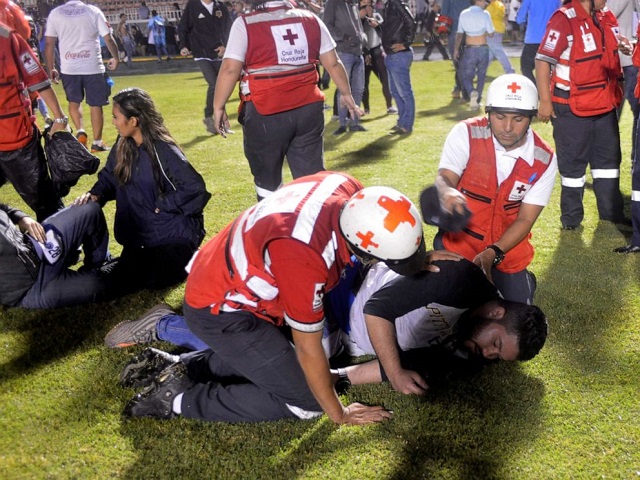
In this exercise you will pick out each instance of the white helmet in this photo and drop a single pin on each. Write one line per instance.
(381, 223)
(512, 93)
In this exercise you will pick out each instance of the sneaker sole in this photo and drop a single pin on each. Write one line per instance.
(161, 309)
(82, 138)
(135, 375)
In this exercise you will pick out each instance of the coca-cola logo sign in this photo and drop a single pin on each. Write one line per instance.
(77, 55)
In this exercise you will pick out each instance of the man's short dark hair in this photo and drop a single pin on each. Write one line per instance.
(529, 324)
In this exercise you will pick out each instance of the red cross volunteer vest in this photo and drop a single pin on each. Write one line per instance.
(280, 64)
(230, 272)
(17, 61)
(592, 72)
(494, 207)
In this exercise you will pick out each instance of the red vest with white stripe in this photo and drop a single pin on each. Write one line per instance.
(231, 273)
(280, 64)
(594, 65)
(495, 207)
(16, 117)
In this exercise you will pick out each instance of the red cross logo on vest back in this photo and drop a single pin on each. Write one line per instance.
(290, 37)
(514, 87)
(399, 212)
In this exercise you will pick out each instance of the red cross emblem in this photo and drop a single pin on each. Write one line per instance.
(521, 188)
(399, 212)
(514, 87)
(366, 240)
(26, 59)
(290, 37)
(553, 37)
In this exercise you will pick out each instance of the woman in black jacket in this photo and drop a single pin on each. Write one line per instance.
(159, 198)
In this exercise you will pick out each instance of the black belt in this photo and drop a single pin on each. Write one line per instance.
(475, 46)
(558, 92)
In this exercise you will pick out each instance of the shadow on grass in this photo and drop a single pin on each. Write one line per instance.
(50, 335)
(461, 429)
(373, 152)
(456, 111)
(467, 424)
(587, 305)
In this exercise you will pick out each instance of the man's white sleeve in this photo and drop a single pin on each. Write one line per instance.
(455, 153)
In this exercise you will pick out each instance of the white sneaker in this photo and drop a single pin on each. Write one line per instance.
(473, 102)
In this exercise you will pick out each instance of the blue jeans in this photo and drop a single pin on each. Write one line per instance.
(174, 329)
(210, 70)
(59, 286)
(399, 69)
(497, 52)
(474, 63)
(354, 65)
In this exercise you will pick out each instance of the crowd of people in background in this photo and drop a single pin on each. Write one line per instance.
(248, 282)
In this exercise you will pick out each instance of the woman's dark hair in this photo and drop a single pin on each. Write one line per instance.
(134, 102)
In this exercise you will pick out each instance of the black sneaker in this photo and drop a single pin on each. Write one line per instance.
(340, 130)
(627, 249)
(156, 401)
(143, 368)
(139, 331)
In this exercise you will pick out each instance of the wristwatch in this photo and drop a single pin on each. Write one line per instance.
(64, 120)
(499, 254)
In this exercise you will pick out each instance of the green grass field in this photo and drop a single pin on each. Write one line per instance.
(572, 412)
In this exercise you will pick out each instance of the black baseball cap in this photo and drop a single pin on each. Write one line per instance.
(434, 214)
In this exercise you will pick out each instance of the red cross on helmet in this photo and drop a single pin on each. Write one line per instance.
(381, 223)
(512, 93)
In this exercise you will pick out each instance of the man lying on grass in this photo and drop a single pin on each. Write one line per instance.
(405, 321)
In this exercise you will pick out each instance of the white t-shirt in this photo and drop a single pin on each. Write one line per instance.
(455, 156)
(419, 328)
(78, 28)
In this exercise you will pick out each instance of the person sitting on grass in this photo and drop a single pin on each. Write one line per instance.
(35, 257)
(456, 314)
(159, 198)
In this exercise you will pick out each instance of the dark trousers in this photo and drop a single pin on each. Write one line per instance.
(295, 134)
(456, 63)
(528, 60)
(588, 141)
(210, 70)
(630, 73)
(635, 196)
(26, 169)
(432, 41)
(376, 66)
(59, 286)
(150, 267)
(515, 287)
(251, 373)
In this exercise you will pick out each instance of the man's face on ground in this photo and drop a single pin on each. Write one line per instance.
(510, 129)
(493, 342)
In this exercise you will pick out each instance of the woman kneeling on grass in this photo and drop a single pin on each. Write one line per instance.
(159, 198)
